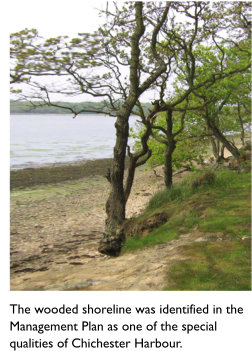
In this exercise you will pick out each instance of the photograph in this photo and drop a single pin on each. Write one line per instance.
(130, 146)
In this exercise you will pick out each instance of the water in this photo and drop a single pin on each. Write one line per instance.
(38, 140)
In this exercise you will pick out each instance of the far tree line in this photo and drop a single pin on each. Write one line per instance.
(62, 107)
(194, 55)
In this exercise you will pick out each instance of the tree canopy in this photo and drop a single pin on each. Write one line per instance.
(194, 55)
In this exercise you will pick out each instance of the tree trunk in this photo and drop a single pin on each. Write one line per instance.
(222, 152)
(214, 148)
(114, 236)
(217, 133)
(241, 124)
(140, 157)
(168, 163)
(130, 177)
(115, 207)
(170, 147)
(218, 150)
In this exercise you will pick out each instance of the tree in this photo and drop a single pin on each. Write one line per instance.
(203, 71)
(128, 39)
(239, 107)
(188, 137)
(140, 46)
(219, 98)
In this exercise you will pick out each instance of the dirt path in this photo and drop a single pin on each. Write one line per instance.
(55, 231)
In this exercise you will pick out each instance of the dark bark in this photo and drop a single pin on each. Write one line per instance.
(170, 147)
(241, 124)
(134, 162)
(169, 140)
(114, 236)
(168, 164)
(130, 178)
(140, 157)
(115, 207)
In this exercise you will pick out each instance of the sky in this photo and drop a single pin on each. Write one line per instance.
(54, 17)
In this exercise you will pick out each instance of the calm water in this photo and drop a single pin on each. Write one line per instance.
(38, 140)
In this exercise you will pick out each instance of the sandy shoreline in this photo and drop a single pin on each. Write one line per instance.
(57, 220)
(56, 227)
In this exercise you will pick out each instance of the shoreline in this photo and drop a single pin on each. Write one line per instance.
(56, 228)
(59, 172)
(55, 164)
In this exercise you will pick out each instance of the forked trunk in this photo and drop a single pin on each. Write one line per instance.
(218, 150)
(114, 238)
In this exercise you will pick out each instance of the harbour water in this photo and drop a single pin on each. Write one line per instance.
(39, 140)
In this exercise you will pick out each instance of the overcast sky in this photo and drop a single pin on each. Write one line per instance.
(54, 17)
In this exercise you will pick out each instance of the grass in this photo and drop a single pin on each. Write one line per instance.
(212, 266)
(155, 237)
(222, 206)
(47, 192)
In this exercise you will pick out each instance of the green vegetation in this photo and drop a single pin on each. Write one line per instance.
(217, 209)
(212, 266)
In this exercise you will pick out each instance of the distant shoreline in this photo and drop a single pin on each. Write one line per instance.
(57, 113)
(92, 107)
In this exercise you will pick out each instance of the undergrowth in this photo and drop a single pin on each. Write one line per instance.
(212, 266)
(218, 206)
